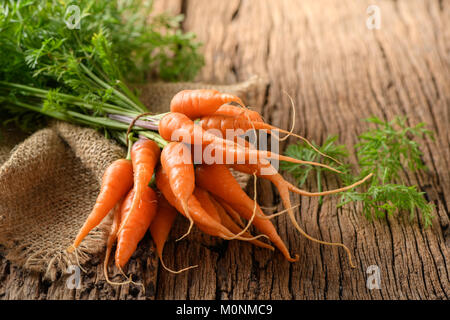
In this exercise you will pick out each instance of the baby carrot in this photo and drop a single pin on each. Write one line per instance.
(233, 227)
(284, 187)
(135, 223)
(198, 214)
(237, 112)
(204, 199)
(112, 237)
(231, 124)
(178, 127)
(160, 229)
(206, 175)
(177, 163)
(117, 180)
(197, 103)
(144, 157)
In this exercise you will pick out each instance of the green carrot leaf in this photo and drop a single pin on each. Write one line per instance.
(386, 151)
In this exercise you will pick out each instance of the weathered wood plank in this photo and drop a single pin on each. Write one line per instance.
(338, 72)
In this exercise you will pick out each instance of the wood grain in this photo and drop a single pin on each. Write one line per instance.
(338, 72)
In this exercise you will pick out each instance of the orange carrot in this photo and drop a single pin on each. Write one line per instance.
(112, 237)
(205, 103)
(117, 180)
(232, 193)
(198, 214)
(162, 223)
(229, 126)
(205, 200)
(237, 112)
(178, 127)
(197, 103)
(273, 176)
(160, 229)
(144, 157)
(228, 222)
(177, 162)
(211, 209)
(206, 177)
(135, 222)
(231, 212)
(284, 187)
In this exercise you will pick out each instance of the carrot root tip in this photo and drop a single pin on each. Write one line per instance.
(191, 221)
(130, 279)
(177, 271)
(296, 258)
(72, 249)
(297, 226)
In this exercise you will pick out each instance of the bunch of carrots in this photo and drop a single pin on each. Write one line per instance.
(159, 179)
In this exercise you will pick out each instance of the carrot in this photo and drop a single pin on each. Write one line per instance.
(232, 192)
(224, 123)
(228, 188)
(137, 218)
(198, 214)
(197, 103)
(178, 127)
(237, 112)
(233, 117)
(119, 212)
(273, 176)
(205, 200)
(162, 223)
(228, 126)
(177, 162)
(232, 226)
(231, 212)
(207, 203)
(112, 237)
(144, 157)
(135, 222)
(160, 229)
(116, 181)
(284, 187)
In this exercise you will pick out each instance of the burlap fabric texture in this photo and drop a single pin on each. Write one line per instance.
(50, 180)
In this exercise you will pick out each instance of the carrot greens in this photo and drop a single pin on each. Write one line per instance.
(387, 151)
(80, 72)
(305, 152)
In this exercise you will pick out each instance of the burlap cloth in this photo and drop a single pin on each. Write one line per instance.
(49, 182)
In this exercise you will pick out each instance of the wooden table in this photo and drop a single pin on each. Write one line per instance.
(338, 72)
